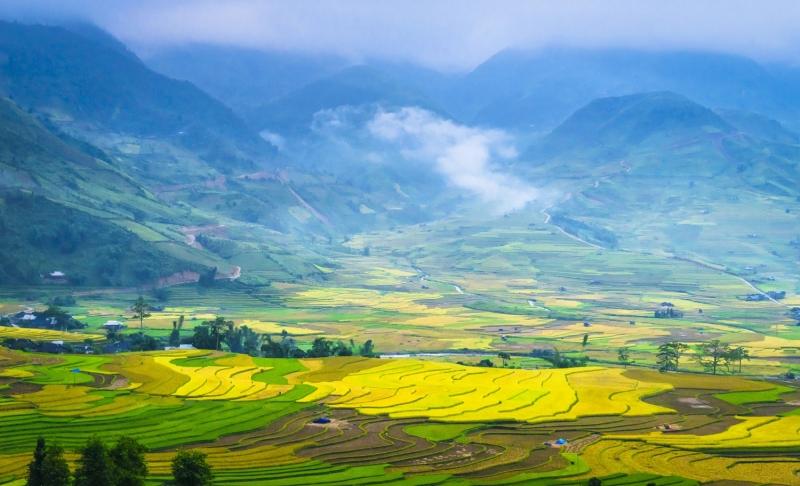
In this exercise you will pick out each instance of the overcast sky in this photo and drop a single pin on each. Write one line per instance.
(447, 34)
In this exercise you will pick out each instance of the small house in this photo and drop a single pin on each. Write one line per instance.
(113, 326)
(56, 277)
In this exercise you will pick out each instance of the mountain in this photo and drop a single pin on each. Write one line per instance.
(89, 83)
(64, 209)
(759, 125)
(618, 125)
(243, 78)
(658, 172)
(536, 90)
(353, 86)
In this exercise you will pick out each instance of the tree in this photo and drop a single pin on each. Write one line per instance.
(60, 316)
(341, 349)
(669, 354)
(175, 335)
(140, 311)
(368, 349)
(320, 348)
(94, 468)
(202, 338)
(35, 473)
(127, 459)
(55, 469)
(243, 340)
(624, 356)
(217, 328)
(585, 340)
(48, 467)
(739, 354)
(713, 354)
(594, 482)
(189, 468)
(504, 356)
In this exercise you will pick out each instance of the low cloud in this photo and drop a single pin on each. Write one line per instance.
(467, 157)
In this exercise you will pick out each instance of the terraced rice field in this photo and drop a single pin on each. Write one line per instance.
(46, 335)
(399, 421)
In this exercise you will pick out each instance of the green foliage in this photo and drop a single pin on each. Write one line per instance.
(242, 339)
(94, 467)
(713, 355)
(558, 360)
(140, 310)
(285, 348)
(189, 468)
(48, 467)
(624, 356)
(35, 468)
(669, 354)
(102, 253)
(129, 466)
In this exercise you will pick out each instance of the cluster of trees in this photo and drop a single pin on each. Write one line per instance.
(123, 464)
(558, 360)
(713, 356)
(219, 332)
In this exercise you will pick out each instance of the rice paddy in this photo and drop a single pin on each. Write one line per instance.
(470, 292)
(400, 420)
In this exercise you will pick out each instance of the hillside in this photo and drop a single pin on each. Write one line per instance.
(87, 83)
(539, 89)
(657, 172)
(618, 125)
(355, 86)
(242, 78)
(64, 209)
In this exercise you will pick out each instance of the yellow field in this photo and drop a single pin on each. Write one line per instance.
(449, 392)
(45, 335)
(753, 432)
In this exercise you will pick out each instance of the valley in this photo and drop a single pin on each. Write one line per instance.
(306, 268)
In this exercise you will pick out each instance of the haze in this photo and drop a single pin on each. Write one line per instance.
(454, 35)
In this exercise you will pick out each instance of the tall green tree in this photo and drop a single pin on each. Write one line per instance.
(94, 466)
(175, 335)
(368, 349)
(189, 468)
(714, 354)
(141, 310)
(55, 470)
(242, 339)
(320, 348)
(739, 354)
(218, 328)
(504, 356)
(669, 355)
(624, 356)
(35, 474)
(129, 465)
(48, 466)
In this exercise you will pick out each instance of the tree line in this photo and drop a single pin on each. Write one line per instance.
(714, 356)
(222, 334)
(219, 334)
(123, 464)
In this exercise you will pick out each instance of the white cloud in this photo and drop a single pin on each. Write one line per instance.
(465, 156)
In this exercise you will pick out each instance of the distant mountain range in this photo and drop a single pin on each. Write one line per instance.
(229, 165)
